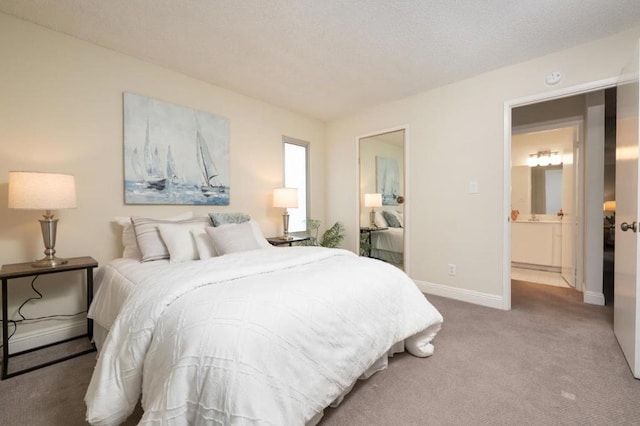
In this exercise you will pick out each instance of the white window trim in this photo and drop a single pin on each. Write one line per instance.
(307, 146)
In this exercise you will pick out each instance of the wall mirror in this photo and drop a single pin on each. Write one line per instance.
(536, 190)
(546, 189)
(382, 184)
(542, 189)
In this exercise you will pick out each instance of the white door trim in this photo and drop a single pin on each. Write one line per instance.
(506, 199)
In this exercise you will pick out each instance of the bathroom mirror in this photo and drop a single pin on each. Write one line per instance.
(536, 189)
(541, 189)
(381, 171)
(546, 189)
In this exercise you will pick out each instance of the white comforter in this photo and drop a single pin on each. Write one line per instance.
(261, 337)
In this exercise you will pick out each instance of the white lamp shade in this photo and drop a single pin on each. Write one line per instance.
(609, 206)
(532, 160)
(41, 191)
(285, 198)
(373, 200)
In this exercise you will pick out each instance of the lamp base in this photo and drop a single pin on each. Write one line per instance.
(285, 226)
(49, 227)
(49, 262)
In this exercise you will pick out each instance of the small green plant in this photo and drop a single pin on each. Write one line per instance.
(365, 247)
(332, 237)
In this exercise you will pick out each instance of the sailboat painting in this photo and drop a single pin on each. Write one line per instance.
(173, 154)
(388, 180)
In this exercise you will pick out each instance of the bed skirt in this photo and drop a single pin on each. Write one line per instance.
(387, 256)
(379, 365)
(100, 334)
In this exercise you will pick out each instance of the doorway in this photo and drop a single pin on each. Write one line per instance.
(590, 204)
(543, 199)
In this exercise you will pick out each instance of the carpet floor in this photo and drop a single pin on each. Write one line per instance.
(551, 360)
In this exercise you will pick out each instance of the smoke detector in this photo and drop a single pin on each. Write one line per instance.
(553, 78)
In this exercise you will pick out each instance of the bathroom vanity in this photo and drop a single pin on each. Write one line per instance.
(537, 243)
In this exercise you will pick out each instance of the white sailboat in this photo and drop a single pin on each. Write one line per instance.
(172, 174)
(137, 166)
(152, 168)
(211, 184)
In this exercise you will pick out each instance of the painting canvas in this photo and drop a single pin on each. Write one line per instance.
(388, 180)
(173, 154)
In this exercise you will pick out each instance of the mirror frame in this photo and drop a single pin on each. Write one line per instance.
(407, 189)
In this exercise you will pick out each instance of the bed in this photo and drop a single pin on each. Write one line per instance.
(388, 244)
(260, 336)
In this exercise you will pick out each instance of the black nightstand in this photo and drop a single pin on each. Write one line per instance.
(19, 270)
(279, 241)
(368, 230)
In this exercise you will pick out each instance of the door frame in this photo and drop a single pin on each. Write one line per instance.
(407, 198)
(506, 199)
(576, 122)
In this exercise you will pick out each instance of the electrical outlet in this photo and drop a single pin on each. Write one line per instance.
(452, 269)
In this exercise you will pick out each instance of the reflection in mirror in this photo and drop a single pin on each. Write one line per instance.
(381, 160)
(546, 189)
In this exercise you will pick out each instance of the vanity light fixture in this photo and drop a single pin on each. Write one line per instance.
(556, 159)
(544, 158)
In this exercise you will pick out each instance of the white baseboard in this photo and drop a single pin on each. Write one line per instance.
(470, 296)
(593, 298)
(33, 339)
(536, 267)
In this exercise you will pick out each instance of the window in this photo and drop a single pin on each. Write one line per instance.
(296, 169)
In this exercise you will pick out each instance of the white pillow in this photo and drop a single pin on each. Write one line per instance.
(379, 220)
(232, 238)
(205, 246)
(149, 239)
(257, 232)
(400, 216)
(179, 241)
(129, 242)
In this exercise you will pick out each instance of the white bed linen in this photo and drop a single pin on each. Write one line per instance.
(391, 239)
(114, 283)
(264, 336)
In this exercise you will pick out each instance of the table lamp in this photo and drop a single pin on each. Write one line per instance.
(43, 191)
(373, 201)
(285, 198)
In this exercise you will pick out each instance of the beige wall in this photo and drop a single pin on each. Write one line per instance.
(457, 136)
(61, 111)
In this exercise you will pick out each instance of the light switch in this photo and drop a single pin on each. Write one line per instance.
(473, 187)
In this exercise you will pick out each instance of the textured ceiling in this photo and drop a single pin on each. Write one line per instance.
(329, 58)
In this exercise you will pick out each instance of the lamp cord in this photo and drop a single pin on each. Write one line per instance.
(25, 319)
